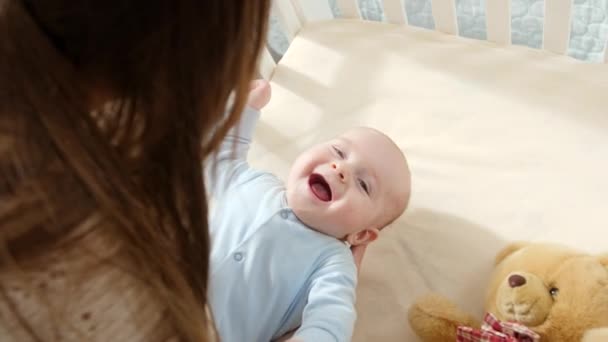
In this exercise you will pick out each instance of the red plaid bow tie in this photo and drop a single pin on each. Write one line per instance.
(494, 330)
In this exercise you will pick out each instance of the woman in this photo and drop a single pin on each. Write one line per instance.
(107, 110)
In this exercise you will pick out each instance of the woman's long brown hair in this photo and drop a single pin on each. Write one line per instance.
(170, 67)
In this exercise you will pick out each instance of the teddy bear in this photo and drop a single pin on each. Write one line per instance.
(557, 293)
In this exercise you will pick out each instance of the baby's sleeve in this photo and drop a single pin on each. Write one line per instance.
(225, 167)
(329, 315)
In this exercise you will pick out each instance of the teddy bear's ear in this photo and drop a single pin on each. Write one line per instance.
(604, 260)
(508, 250)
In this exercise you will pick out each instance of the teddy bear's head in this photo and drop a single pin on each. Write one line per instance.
(556, 291)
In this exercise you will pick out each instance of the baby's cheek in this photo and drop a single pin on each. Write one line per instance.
(357, 216)
(345, 218)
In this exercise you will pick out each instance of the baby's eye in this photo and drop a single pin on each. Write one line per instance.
(364, 186)
(339, 152)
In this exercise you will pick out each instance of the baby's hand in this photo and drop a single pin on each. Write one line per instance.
(259, 94)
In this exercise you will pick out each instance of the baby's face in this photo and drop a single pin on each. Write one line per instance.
(350, 187)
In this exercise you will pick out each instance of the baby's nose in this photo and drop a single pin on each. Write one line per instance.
(340, 172)
(516, 280)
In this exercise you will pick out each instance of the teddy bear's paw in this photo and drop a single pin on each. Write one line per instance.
(435, 318)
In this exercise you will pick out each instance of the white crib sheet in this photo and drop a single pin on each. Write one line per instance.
(504, 144)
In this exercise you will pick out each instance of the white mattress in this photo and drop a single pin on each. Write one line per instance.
(504, 144)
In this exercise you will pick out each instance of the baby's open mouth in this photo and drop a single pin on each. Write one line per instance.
(319, 187)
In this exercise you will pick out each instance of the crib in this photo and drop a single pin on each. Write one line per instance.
(504, 142)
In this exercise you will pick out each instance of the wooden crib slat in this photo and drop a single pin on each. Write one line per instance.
(349, 9)
(297, 7)
(444, 13)
(498, 21)
(556, 35)
(266, 64)
(394, 11)
(311, 10)
(287, 16)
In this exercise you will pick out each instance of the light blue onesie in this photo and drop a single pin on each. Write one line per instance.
(270, 273)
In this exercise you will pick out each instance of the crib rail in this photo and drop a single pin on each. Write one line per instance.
(498, 21)
(288, 16)
(292, 14)
(266, 64)
(349, 9)
(394, 11)
(444, 13)
(556, 33)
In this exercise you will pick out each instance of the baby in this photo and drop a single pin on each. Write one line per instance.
(280, 256)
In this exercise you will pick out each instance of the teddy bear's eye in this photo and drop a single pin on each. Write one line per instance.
(554, 291)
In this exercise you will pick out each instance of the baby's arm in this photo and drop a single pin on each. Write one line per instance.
(330, 312)
(230, 161)
(224, 168)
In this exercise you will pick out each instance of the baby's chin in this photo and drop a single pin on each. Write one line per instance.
(309, 215)
(321, 229)
(329, 233)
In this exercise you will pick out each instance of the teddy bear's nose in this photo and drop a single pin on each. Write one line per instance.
(516, 280)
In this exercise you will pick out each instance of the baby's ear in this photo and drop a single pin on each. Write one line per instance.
(363, 237)
(508, 250)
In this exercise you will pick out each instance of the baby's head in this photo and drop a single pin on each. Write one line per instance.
(350, 187)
